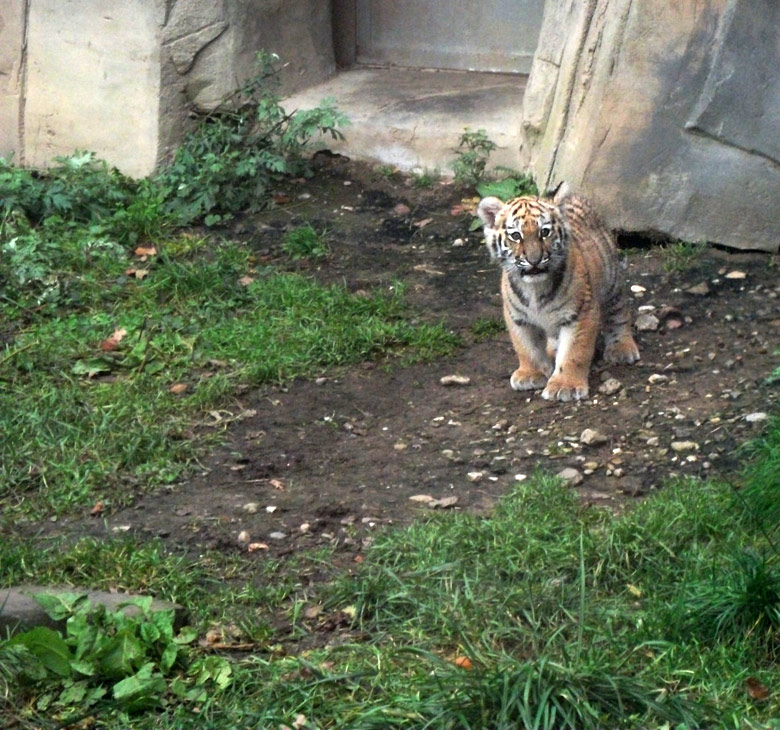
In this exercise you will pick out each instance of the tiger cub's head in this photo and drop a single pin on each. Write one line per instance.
(526, 235)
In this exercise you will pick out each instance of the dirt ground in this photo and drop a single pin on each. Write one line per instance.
(330, 460)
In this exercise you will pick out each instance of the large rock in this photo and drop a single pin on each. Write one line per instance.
(666, 114)
(121, 78)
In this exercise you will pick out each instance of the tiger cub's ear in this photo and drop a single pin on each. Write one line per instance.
(488, 210)
(560, 193)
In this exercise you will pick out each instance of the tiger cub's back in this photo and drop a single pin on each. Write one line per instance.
(589, 235)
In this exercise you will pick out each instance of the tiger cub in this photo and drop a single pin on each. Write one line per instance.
(560, 290)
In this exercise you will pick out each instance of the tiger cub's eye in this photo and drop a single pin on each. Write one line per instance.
(545, 231)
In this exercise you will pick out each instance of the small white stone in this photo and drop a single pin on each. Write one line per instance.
(610, 386)
(277, 536)
(756, 417)
(656, 378)
(251, 507)
(653, 441)
(521, 477)
(475, 476)
(455, 380)
(591, 437)
(421, 498)
(243, 537)
(680, 446)
(646, 322)
(571, 476)
(458, 242)
(736, 275)
(638, 289)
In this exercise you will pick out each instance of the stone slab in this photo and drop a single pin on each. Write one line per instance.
(19, 611)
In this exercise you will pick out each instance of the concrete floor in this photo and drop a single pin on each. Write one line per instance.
(412, 119)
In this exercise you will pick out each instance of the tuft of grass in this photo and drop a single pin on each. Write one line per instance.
(681, 256)
(305, 242)
(484, 328)
(426, 178)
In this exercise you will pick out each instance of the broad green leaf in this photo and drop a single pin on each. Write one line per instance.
(91, 366)
(48, 647)
(168, 658)
(61, 605)
(122, 655)
(186, 635)
(143, 690)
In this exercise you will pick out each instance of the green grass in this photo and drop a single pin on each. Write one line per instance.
(570, 617)
(305, 243)
(83, 423)
(681, 256)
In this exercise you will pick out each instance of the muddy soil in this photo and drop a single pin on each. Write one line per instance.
(330, 461)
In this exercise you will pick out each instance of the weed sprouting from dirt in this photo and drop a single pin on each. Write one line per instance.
(305, 242)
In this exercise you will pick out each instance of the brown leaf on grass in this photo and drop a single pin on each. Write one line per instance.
(246, 280)
(281, 198)
(463, 662)
(277, 484)
(757, 690)
(97, 508)
(144, 252)
(422, 223)
(178, 388)
(111, 343)
(402, 209)
(253, 547)
(137, 273)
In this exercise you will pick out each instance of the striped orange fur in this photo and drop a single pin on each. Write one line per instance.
(560, 290)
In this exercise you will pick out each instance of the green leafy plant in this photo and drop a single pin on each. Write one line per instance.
(486, 327)
(471, 157)
(305, 242)
(508, 186)
(241, 148)
(132, 658)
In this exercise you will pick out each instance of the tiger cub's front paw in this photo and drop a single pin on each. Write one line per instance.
(565, 389)
(622, 351)
(527, 379)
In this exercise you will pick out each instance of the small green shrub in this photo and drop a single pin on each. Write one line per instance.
(305, 243)
(426, 178)
(486, 327)
(240, 149)
(471, 157)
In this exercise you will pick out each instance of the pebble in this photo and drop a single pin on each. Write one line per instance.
(610, 386)
(277, 535)
(455, 380)
(591, 437)
(646, 322)
(521, 477)
(475, 476)
(699, 290)
(736, 275)
(656, 378)
(756, 417)
(653, 441)
(243, 537)
(571, 476)
(421, 498)
(638, 290)
(458, 242)
(680, 446)
(443, 503)
(251, 507)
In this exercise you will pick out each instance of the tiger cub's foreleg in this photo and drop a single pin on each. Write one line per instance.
(576, 347)
(530, 344)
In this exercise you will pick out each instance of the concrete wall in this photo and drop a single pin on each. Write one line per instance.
(121, 78)
(666, 114)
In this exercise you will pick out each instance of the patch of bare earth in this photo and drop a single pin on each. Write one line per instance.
(331, 460)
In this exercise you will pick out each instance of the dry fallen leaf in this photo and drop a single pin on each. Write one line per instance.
(111, 343)
(144, 252)
(424, 222)
(402, 209)
(463, 662)
(178, 388)
(277, 484)
(756, 689)
(96, 509)
(245, 280)
(253, 547)
(281, 198)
